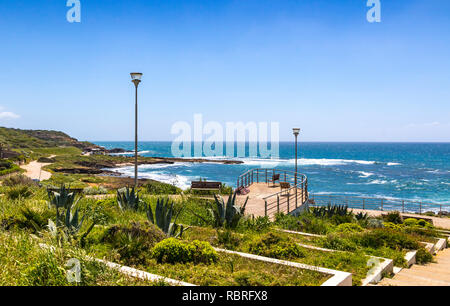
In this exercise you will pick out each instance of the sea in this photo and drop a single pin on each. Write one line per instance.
(410, 171)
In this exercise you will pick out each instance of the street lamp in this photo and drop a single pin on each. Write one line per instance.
(296, 131)
(136, 79)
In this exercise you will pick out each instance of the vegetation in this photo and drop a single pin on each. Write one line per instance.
(164, 212)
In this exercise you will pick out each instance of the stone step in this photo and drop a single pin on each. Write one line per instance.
(434, 275)
(420, 280)
(437, 269)
(396, 282)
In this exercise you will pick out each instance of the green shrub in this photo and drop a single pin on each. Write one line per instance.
(18, 179)
(375, 223)
(95, 190)
(258, 224)
(393, 226)
(393, 217)
(304, 223)
(410, 222)
(337, 242)
(276, 246)
(18, 192)
(423, 256)
(385, 237)
(7, 167)
(228, 239)
(134, 241)
(349, 228)
(46, 272)
(173, 251)
(159, 188)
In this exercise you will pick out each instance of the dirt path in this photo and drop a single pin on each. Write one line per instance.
(35, 172)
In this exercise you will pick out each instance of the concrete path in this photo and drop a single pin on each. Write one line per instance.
(432, 274)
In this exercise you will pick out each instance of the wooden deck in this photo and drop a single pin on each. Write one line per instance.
(260, 191)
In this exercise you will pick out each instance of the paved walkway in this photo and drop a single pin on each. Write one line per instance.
(432, 274)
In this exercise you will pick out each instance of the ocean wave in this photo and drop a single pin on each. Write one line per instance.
(129, 153)
(393, 164)
(365, 174)
(180, 181)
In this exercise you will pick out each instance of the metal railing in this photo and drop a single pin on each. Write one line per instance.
(383, 204)
(284, 201)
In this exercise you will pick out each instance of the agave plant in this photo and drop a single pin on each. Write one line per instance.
(361, 216)
(62, 198)
(162, 218)
(128, 199)
(68, 222)
(330, 211)
(228, 214)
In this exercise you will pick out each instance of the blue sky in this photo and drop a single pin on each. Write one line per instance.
(316, 64)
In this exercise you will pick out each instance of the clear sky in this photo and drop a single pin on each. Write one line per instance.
(316, 64)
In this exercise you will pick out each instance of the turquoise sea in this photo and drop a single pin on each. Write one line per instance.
(414, 171)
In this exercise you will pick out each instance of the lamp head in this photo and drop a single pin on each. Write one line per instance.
(136, 77)
(296, 131)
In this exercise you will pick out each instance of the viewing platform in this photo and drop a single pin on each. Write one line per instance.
(272, 191)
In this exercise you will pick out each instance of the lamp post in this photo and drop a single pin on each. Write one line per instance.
(136, 79)
(296, 131)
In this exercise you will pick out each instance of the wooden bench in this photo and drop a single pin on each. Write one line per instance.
(206, 186)
(74, 190)
(285, 187)
(275, 177)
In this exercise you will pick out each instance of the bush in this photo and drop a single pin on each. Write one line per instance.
(375, 223)
(228, 239)
(133, 242)
(349, 228)
(304, 223)
(46, 272)
(7, 167)
(410, 222)
(18, 192)
(173, 251)
(18, 179)
(385, 237)
(95, 190)
(423, 256)
(393, 217)
(393, 226)
(276, 246)
(337, 242)
(159, 188)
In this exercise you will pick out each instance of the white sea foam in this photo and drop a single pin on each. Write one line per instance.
(393, 164)
(365, 174)
(180, 181)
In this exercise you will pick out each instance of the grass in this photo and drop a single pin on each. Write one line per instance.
(22, 216)
(24, 263)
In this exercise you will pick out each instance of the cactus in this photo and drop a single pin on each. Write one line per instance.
(162, 218)
(228, 214)
(128, 199)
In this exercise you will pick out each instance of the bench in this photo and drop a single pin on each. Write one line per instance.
(275, 177)
(206, 186)
(285, 187)
(70, 190)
